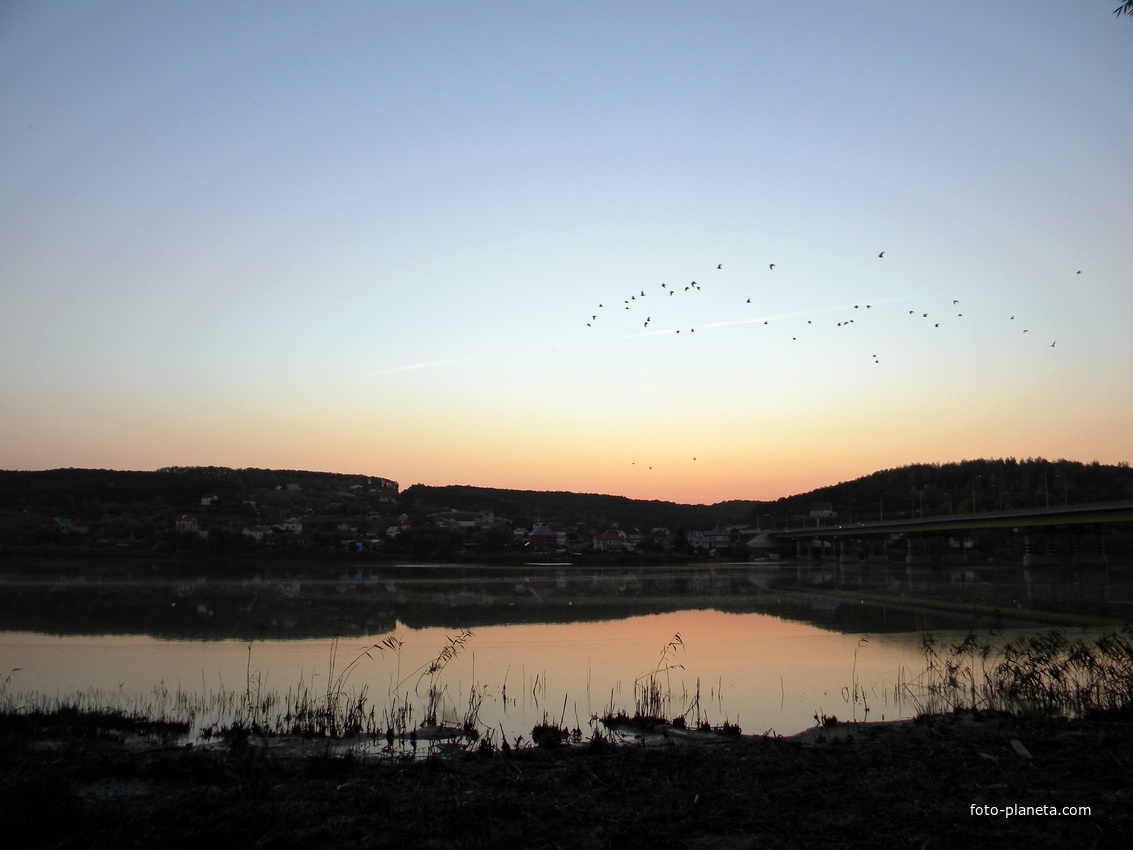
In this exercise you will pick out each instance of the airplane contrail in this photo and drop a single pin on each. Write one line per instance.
(409, 367)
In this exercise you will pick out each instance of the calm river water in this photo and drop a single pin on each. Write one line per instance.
(527, 646)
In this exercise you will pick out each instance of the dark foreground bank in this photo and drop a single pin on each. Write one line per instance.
(980, 781)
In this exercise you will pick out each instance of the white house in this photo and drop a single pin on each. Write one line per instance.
(292, 525)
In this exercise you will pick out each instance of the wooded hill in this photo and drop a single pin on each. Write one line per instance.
(66, 491)
(928, 489)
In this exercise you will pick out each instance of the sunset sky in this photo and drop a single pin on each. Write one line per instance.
(371, 237)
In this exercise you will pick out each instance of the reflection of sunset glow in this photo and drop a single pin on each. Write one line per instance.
(759, 671)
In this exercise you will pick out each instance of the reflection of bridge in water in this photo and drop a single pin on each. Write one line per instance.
(1060, 546)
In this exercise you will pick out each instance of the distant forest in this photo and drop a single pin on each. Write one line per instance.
(908, 491)
(66, 490)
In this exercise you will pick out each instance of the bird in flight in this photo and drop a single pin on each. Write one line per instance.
(771, 266)
(882, 254)
(719, 265)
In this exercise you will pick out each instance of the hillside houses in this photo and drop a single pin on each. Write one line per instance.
(233, 512)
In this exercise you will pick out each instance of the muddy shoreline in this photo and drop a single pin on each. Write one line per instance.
(911, 784)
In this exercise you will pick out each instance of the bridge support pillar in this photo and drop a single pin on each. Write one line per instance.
(804, 562)
(918, 551)
(878, 551)
(1032, 557)
(850, 563)
(1089, 556)
(954, 554)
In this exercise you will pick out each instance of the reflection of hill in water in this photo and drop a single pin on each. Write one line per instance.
(304, 607)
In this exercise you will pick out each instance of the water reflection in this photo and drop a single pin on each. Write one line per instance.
(763, 646)
(318, 603)
(757, 670)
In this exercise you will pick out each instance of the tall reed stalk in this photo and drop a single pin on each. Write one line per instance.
(1047, 673)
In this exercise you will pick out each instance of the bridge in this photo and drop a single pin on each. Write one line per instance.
(1038, 526)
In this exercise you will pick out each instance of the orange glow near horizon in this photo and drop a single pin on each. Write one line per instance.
(438, 457)
(586, 286)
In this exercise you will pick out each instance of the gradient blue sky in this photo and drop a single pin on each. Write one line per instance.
(369, 237)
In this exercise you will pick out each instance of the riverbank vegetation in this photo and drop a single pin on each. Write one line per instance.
(1042, 725)
(1048, 675)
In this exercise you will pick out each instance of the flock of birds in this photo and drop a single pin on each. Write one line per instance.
(637, 300)
(661, 299)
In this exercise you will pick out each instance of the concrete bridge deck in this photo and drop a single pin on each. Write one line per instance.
(1061, 516)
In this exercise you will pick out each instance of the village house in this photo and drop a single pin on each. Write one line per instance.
(710, 541)
(610, 540)
(544, 538)
(634, 538)
(464, 520)
(291, 525)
